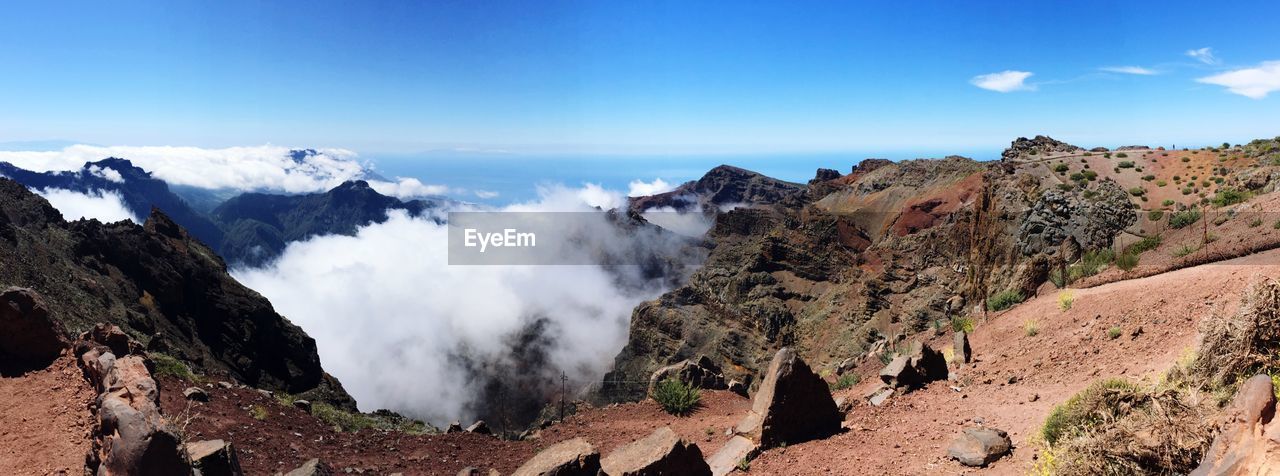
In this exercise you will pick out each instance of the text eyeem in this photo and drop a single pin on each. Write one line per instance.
(509, 237)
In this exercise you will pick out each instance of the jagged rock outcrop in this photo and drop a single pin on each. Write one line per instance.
(1091, 223)
(961, 352)
(661, 453)
(1250, 439)
(915, 368)
(1023, 148)
(573, 457)
(29, 337)
(155, 280)
(702, 373)
(131, 436)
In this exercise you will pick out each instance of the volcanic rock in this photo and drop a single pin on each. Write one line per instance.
(703, 374)
(29, 338)
(573, 457)
(214, 458)
(662, 452)
(792, 405)
(1023, 148)
(480, 428)
(1247, 443)
(980, 446)
(195, 394)
(313, 467)
(961, 352)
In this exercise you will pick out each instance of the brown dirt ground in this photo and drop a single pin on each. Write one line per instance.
(287, 437)
(45, 422)
(1017, 379)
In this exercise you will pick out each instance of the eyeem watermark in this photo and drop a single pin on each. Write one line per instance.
(508, 238)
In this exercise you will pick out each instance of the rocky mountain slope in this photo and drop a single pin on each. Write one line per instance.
(162, 286)
(258, 226)
(851, 264)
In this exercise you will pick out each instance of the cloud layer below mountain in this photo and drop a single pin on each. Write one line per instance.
(106, 206)
(404, 330)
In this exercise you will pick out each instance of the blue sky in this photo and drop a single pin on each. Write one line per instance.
(599, 77)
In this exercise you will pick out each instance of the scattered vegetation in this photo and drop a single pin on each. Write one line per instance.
(845, 381)
(1155, 215)
(959, 324)
(1168, 202)
(1065, 300)
(1124, 164)
(1127, 261)
(1184, 218)
(1257, 222)
(1184, 250)
(168, 366)
(1114, 333)
(258, 412)
(677, 397)
(1144, 245)
(1031, 328)
(1229, 196)
(342, 420)
(1060, 167)
(1121, 155)
(1004, 300)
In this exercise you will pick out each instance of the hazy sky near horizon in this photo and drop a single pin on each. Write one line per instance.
(638, 77)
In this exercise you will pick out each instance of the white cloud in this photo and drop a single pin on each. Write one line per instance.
(640, 188)
(1004, 81)
(106, 206)
(1203, 55)
(1130, 70)
(435, 321)
(1254, 82)
(407, 188)
(485, 194)
(109, 174)
(262, 168)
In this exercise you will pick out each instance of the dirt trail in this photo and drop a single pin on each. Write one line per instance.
(46, 421)
(1019, 378)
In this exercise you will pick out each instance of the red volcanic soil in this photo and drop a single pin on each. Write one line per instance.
(45, 422)
(1017, 378)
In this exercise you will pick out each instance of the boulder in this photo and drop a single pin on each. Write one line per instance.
(133, 438)
(1249, 438)
(29, 338)
(702, 373)
(195, 394)
(214, 458)
(574, 457)
(918, 367)
(313, 467)
(877, 399)
(454, 427)
(479, 428)
(738, 388)
(736, 450)
(792, 405)
(960, 351)
(304, 405)
(980, 446)
(662, 452)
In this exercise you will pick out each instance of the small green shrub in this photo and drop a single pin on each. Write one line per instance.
(1127, 261)
(1257, 222)
(258, 413)
(1137, 191)
(1031, 328)
(961, 324)
(168, 366)
(845, 381)
(1229, 196)
(1184, 218)
(1144, 245)
(1114, 332)
(1184, 250)
(676, 397)
(1148, 178)
(1168, 202)
(1125, 165)
(1060, 167)
(1161, 183)
(1121, 155)
(1004, 300)
(1155, 215)
(1065, 300)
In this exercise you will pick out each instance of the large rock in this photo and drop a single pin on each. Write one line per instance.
(1038, 147)
(961, 352)
(29, 338)
(661, 453)
(980, 446)
(918, 367)
(792, 405)
(214, 458)
(702, 373)
(574, 457)
(1092, 223)
(1248, 443)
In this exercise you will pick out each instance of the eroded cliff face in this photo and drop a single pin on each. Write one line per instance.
(160, 285)
(855, 261)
